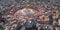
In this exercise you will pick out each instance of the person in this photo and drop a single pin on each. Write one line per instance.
(2, 19)
(19, 26)
(58, 23)
(30, 25)
(1, 28)
(43, 27)
(50, 20)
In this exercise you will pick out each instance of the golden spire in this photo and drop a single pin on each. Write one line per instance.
(27, 5)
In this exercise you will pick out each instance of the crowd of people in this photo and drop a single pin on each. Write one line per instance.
(30, 16)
